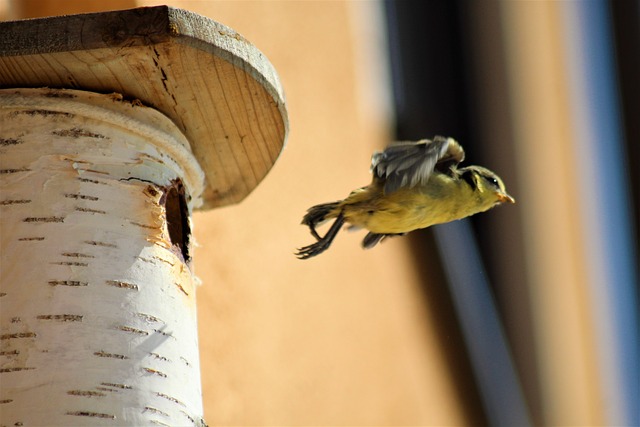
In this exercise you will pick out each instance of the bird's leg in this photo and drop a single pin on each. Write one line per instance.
(313, 231)
(317, 214)
(323, 243)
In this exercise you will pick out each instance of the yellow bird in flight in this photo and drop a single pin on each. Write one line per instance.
(415, 185)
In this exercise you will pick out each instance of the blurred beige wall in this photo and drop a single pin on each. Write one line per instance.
(342, 338)
(20, 9)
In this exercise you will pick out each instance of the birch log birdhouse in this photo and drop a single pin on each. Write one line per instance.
(114, 127)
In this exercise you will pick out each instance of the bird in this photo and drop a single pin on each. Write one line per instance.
(415, 184)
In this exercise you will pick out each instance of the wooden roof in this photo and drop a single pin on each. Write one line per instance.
(216, 86)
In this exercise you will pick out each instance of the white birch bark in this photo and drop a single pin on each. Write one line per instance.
(98, 318)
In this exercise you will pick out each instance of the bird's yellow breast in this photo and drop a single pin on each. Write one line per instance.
(441, 200)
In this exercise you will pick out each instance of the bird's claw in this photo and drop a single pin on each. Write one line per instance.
(313, 249)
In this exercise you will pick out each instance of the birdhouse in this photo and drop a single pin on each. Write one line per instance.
(114, 128)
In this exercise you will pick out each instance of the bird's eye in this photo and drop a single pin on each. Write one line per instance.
(493, 181)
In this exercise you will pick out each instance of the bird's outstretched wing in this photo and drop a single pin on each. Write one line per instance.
(407, 164)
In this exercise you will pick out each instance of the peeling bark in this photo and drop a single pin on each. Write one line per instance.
(98, 320)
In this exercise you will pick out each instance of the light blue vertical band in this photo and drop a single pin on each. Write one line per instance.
(500, 388)
(608, 228)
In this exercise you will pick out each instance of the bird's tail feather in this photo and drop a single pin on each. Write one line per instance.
(372, 239)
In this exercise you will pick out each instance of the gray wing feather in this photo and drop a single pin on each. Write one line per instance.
(407, 164)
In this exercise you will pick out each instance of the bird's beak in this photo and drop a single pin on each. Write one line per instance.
(505, 198)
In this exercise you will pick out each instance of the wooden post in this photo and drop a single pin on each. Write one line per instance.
(158, 112)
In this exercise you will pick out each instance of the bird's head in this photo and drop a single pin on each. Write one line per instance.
(487, 187)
